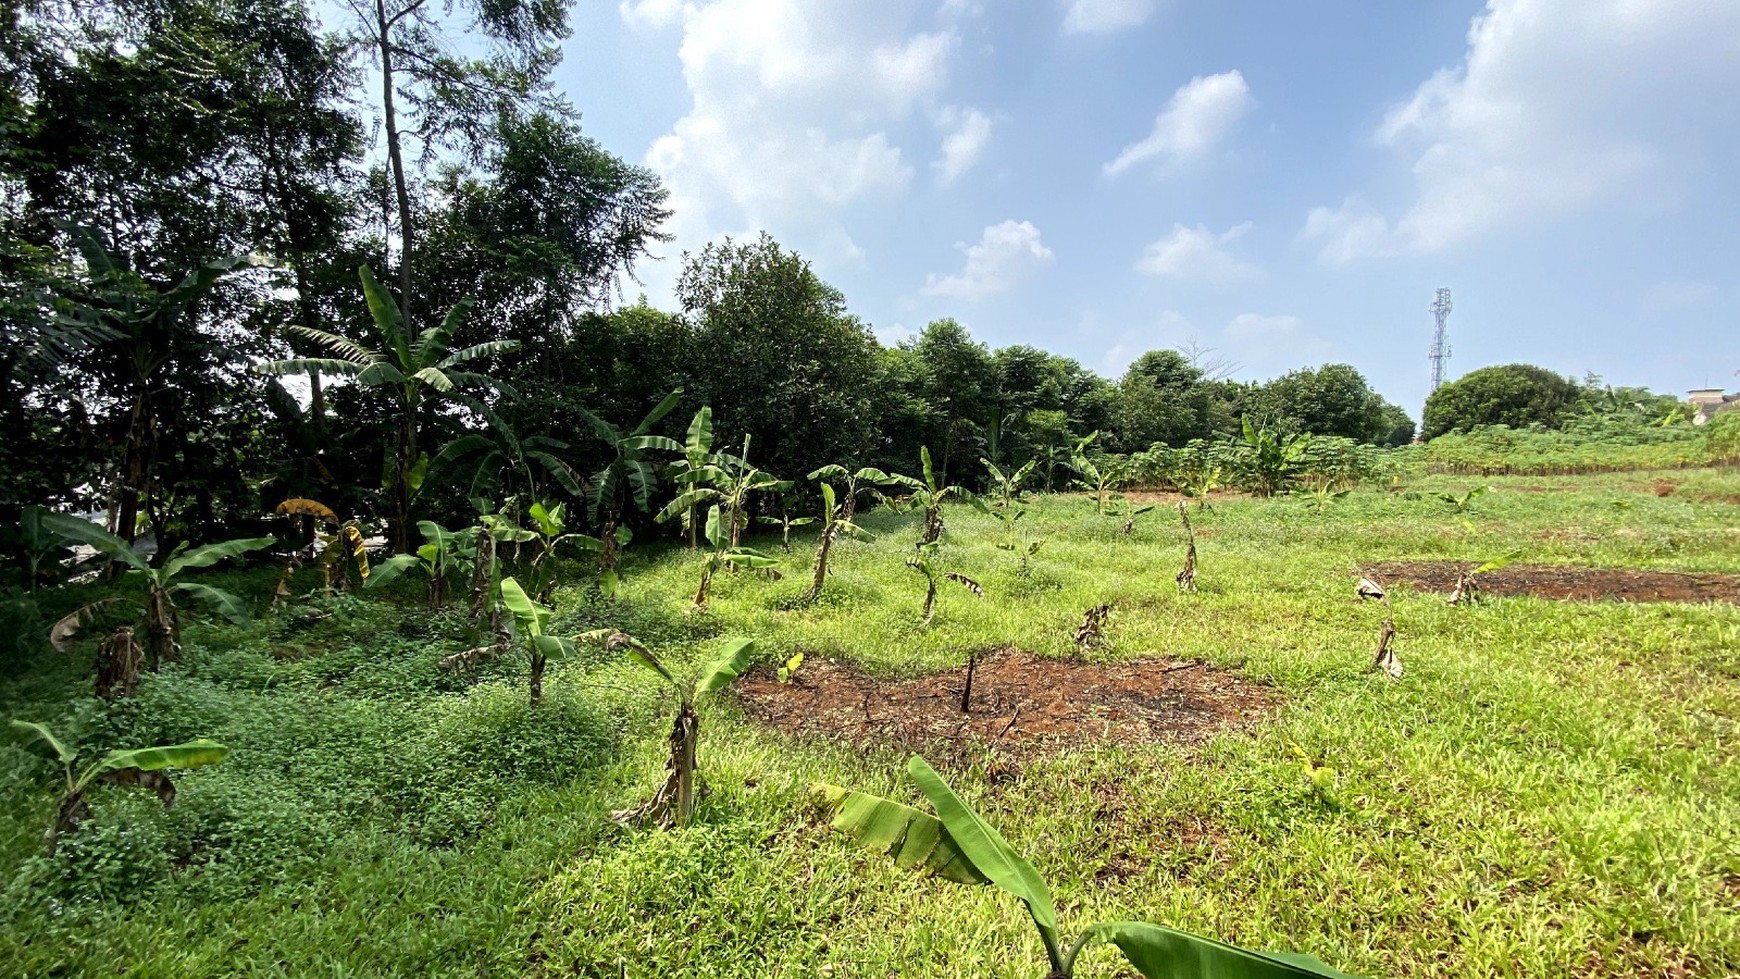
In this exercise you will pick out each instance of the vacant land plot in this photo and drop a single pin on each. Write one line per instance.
(1549, 789)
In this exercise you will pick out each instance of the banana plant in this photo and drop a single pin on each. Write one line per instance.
(1008, 486)
(866, 480)
(144, 767)
(958, 845)
(444, 555)
(1135, 513)
(1272, 462)
(724, 484)
(673, 805)
(923, 561)
(1202, 479)
(162, 616)
(1459, 503)
(38, 548)
(631, 470)
(1467, 590)
(333, 553)
(1103, 478)
(549, 523)
(697, 467)
(1322, 494)
(930, 496)
(839, 523)
(725, 554)
(786, 524)
(530, 620)
(1016, 540)
(498, 461)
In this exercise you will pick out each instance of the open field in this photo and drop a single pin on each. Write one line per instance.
(1549, 790)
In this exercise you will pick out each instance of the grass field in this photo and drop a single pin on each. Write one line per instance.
(1550, 789)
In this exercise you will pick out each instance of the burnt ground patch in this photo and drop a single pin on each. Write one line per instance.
(1565, 582)
(1021, 705)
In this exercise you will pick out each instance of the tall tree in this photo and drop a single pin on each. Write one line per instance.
(1162, 397)
(444, 97)
(1512, 394)
(778, 356)
(959, 383)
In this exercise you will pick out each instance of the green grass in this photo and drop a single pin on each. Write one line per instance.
(1549, 790)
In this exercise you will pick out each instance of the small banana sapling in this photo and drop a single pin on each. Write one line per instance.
(958, 845)
(726, 554)
(923, 561)
(1007, 486)
(530, 621)
(930, 495)
(1467, 590)
(445, 555)
(674, 803)
(839, 523)
(144, 767)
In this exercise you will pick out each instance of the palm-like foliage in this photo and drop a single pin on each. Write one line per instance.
(144, 328)
(412, 368)
(631, 471)
(498, 461)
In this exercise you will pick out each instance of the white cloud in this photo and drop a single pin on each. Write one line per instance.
(650, 13)
(1202, 113)
(969, 134)
(1005, 254)
(1105, 16)
(1196, 253)
(1558, 104)
(794, 104)
(1253, 327)
(1348, 232)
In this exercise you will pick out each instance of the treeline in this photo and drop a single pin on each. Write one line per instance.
(191, 190)
(194, 193)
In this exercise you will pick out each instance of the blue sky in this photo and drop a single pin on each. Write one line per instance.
(1284, 182)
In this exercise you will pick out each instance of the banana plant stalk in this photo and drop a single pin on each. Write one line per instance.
(922, 561)
(839, 522)
(958, 845)
(674, 803)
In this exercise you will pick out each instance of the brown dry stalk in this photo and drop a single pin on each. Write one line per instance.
(1090, 634)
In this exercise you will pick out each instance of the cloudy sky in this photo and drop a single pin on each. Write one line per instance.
(1285, 182)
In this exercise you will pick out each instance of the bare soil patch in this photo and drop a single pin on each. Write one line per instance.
(1566, 582)
(1022, 705)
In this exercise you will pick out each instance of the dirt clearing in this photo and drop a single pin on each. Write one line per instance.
(1022, 705)
(1565, 582)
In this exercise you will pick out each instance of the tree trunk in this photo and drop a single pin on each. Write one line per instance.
(537, 679)
(395, 156)
(407, 456)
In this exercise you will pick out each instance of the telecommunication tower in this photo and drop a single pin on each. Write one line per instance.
(1440, 337)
